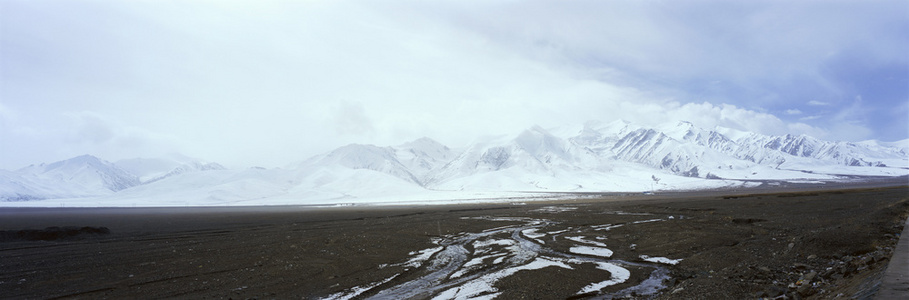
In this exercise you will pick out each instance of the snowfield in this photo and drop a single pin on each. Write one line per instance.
(535, 164)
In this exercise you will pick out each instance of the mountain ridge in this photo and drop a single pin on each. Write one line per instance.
(597, 156)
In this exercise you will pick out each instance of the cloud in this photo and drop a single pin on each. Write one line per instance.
(802, 128)
(350, 119)
(89, 128)
(708, 115)
(225, 80)
(809, 118)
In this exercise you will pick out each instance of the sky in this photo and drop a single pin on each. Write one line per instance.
(268, 83)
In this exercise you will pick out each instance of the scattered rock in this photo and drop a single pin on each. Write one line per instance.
(774, 291)
(803, 289)
(810, 276)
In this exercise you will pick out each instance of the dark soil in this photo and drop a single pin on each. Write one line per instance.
(51, 233)
(818, 244)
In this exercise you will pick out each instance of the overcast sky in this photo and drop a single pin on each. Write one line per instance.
(268, 83)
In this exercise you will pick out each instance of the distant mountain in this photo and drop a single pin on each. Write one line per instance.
(154, 169)
(86, 175)
(687, 150)
(366, 157)
(593, 157)
(423, 156)
(80, 176)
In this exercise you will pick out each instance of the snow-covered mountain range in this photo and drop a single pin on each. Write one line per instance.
(593, 157)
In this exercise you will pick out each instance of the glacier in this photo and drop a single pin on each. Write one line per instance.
(537, 163)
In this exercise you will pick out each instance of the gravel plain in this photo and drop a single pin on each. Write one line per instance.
(813, 242)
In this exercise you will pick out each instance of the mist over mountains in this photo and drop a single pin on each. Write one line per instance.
(593, 157)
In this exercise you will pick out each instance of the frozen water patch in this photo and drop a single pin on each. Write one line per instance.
(450, 271)
(484, 286)
(356, 291)
(555, 209)
(619, 212)
(661, 260)
(531, 221)
(532, 233)
(588, 250)
(557, 232)
(581, 239)
(421, 256)
(607, 227)
(648, 287)
(476, 263)
(647, 221)
(617, 274)
(490, 242)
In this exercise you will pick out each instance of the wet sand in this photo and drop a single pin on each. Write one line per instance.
(806, 241)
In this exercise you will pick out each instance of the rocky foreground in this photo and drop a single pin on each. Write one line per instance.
(814, 244)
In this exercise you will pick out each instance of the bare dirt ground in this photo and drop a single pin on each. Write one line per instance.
(800, 243)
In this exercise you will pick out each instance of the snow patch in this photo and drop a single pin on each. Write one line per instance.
(581, 239)
(617, 274)
(588, 250)
(661, 260)
(484, 286)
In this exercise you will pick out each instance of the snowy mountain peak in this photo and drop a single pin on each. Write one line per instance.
(364, 157)
(154, 169)
(617, 127)
(423, 156)
(425, 147)
(79, 176)
(683, 131)
(598, 156)
(360, 156)
(75, 163)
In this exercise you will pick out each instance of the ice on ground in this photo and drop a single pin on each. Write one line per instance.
(617, 275)
(479, 260)
(530, 221)
(581, 239)
(356, 291)
(661, 260)
(476, 262)
(647, 221)
(421, 256)
(484, 286)
(557, 232)
(619, 212)
(490, 242)
(532, 233)
(588, 250)
(607, 227)
(555, 209)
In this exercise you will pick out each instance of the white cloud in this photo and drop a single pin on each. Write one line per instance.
(88, 128)
(224, 80)
(802, 128)
(350, 119)
(708, 115)
(809, 118)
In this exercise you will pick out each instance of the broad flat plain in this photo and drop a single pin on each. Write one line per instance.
(814, 241)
